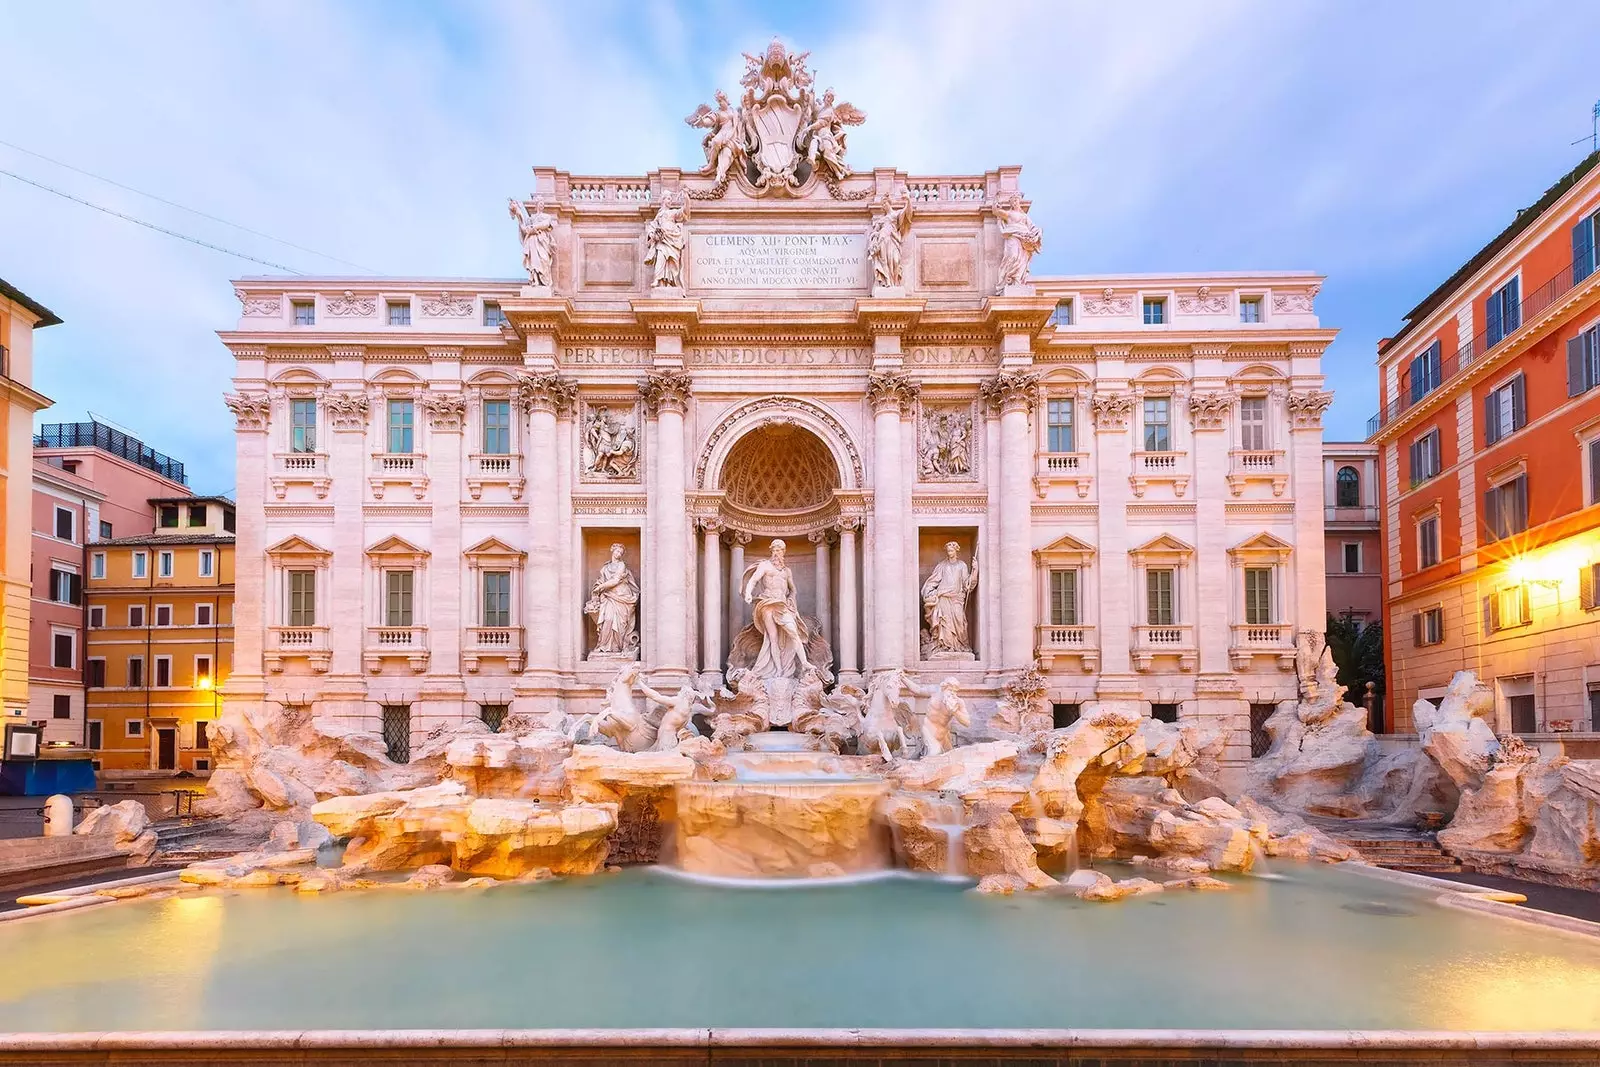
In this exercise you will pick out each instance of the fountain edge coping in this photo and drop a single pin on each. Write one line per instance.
(817, 1038)
(1466, 897)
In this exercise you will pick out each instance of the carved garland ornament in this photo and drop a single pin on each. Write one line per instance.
(446, 411)
(1203, 302)
(1306, 407)
(666, 390)
(259, 307)
(447, 305)
(1009, 390)
(885, 390)
(351, 306)
(782, 405)
(1111, 410)
(251, 411)
(1108, 303)
(546, 392)
(347, 410)
(1209, 410)
(1296, 303)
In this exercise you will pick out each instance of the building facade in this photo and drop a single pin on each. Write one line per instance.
(64, 507)
(19, 317)
(1490, 444)
(1354, 537)
(473, 497)
(160, 612)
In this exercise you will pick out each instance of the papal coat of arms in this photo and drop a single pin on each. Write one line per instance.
(781, 133)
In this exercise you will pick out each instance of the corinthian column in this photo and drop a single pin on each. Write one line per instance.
(543, 395)
(891, 395)
(849, 614)
(824, 572)
(711, 610)
(666, 394)
(736, 542)
(1013, 394)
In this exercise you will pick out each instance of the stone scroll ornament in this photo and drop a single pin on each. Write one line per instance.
(1111, 410)
(251, 411)
(781, 134)
(538, 231)
(1209, 410)
(255, 307)
(446, 411)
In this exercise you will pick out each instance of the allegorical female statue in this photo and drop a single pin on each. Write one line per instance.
(944, 602)
(665, 237)
(614, 608)
(538, 230)
(1021, 240)
(884, 242)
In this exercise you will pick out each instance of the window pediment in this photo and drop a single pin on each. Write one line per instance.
(297, 550)
(1065, 550)
(396, 551)
(1262, 547)
(1163, 549)
(492, 552)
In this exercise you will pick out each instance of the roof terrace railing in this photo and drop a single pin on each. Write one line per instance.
(1536, 302)
(99, 435)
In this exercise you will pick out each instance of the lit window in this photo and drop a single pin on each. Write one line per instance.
(402, 422)
(1158, 424)
(1428, 627)
(1506, 508)
(1507, 607)
(202, 671)
(1155, 311)
(1249, 309)
(305, 313)
(1058, 421)
(497, 427)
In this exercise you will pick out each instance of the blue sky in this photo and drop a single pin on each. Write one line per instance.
(1380, 143)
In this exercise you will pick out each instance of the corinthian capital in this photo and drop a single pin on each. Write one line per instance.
(347, 410)
(886, 390)
(1307, 405)
(1111, 410)
(446, 411)
(1011, 391)
(547, 392)
(250, 410)
(666, 390)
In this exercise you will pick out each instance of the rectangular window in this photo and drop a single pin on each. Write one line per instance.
(163, 672)
(1524, 714)
(397, 732)
(1352, 557)
(1583, 361)
(202, 614)
(1426, 458)
(1428, 542)
(1164, 712)
(1160, 603)
(302, 598)
(497, 427)
(105, 530)
(1064, 715)
(97, 733)
(97, 617)
(202, 736)
(1505, 509)
(163, 614)
(169, 516)
(1504, 311)
(94, 673)
(135, 615)
(65, 525)
(302, 425)
(1585, 239)
(399, 313)
(202, 671)
(1505, 411)
(305, 312)
(1064, 598)
(492, 315)
(65, 586)
(63, 651)
(134, 728)
(197, 514)
(1506, 607)
(1594, 710)
(1425, 372)
(402, 422)
(1158, 424)
(1253, 423)
(1058, 422)
(1155, 311)
(1249, 309)
(493, 716)
(135, 672)
(497, 598)
(1062, 315)
(207, 562)
(164, 565)
(1260, 739)
(227, 520)
(61, 706)
(1258, 596)
(140, 562)
(397, 606)
(97, 565)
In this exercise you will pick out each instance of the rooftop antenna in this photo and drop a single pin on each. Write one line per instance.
(1594, 130)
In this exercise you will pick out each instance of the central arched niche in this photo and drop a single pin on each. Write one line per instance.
(781, 476)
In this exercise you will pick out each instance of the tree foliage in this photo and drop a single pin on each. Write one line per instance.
(1358, 655)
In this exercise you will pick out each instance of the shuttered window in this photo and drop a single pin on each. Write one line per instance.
(1258, 596)
(1504, 311)
(1428, 542)
(1064, 598)
(397, 608)
(1588, 581)
(1594, 471)
(1583, 361)
(1506, 607)
(497, 598)
(1425, 372)
(1505, 508)
(1427, 627)
(1585, 236)
(1161, 596)
(1426, 459)
(1505, 411)
(302, 598)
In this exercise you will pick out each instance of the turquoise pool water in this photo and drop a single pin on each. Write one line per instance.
(1314, 949)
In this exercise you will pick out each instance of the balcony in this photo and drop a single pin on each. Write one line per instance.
(1062, 468)
(1163, 466)
(1054, 641)
(1364, 515)
(1272, 639)
(1152, 641)
(409, 643)
(1246, 465)
(399, 468)
(310, 643)
(485, 468)
(300, 468)
(493, 642)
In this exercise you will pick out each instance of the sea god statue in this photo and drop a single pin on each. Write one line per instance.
(769, 585)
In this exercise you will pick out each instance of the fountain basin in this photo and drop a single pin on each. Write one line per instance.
(801, 827)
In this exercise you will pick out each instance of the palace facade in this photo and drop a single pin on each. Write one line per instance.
(437, 478)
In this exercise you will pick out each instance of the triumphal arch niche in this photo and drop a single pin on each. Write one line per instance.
(797, 394)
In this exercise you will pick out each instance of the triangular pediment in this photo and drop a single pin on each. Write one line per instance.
(295, 545)
(1165, 544)
(396, 546)
(1065, 546)
(494, 548)
(1262, 543)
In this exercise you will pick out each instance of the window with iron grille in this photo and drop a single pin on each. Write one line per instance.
(493, 716)
(1164, 712)
(497, 427)
(397, 609)
(1058, 426)
(1063, 715)
(302, 425)
(1260, 739)
(1064, 598)
(397, 732)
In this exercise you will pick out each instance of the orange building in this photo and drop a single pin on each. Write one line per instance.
(160, 642)
(19, 317)
(1490, 453)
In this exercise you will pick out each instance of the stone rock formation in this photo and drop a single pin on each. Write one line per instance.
(128, 825)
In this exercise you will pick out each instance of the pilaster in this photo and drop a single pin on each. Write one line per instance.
(1013, 394)
(891, 396)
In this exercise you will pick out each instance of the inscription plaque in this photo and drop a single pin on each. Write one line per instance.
(778, 261)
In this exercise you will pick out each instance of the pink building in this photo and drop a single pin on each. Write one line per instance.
(1350, 523)
(90, 483)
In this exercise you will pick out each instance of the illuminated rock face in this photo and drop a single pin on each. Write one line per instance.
(791, 829)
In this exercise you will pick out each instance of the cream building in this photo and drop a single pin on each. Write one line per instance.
(433, 474)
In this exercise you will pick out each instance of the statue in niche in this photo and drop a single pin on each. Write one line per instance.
(944, 603)
(610, 445)
(613, 606)
(721, 141)
(945, 707)
(946, 445)
(665, 237)
(827, 135)
(538, 229)
(1021, 240)
(885, 242)
(769, 586)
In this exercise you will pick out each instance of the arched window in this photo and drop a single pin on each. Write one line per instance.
(1348, 488)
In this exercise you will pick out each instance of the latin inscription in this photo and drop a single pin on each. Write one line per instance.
(778, 261)
(578, 355)
(950, 355)
(776, 356)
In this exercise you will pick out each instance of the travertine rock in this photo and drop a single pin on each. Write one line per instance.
(497, 765)
(1002, 884)
(128, 825)
(926, 832)
(960, 769)
(1458, 734)
(995, 844)
(642, 785)
(1201, 882)
(509, 838)
(1134, 816)
(780, 829)
(1291, 837)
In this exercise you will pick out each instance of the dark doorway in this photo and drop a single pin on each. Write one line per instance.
(166, 748)
(1064, 714)
(1164, 712)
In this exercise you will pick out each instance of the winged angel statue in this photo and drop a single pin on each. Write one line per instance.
(781, 133)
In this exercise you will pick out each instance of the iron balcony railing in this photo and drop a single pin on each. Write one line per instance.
(99, 435)
(1533, 305)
